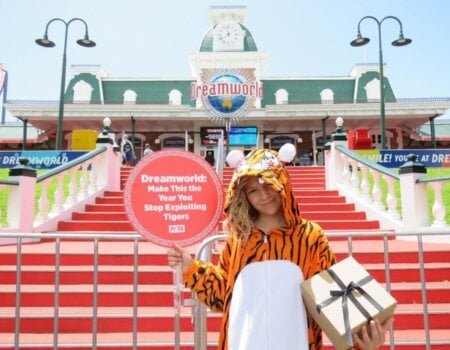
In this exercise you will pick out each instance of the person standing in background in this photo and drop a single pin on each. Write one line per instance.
(147, 150)
(210, 157)
(127, 151)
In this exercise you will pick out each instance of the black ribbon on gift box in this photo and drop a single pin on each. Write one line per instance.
(346, 293)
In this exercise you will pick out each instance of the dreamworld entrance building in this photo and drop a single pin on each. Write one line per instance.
(228, 90)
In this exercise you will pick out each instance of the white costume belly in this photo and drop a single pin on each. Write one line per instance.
(267, 311)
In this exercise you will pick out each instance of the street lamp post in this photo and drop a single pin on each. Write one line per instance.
(4, 89)
(401, 41)
(46, 42)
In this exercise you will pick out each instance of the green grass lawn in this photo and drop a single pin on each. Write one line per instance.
(438, 172)
(431, 173)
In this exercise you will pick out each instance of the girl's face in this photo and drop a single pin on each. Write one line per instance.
(262, 197)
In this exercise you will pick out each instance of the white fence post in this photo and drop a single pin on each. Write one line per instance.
(21, 198)
(334, 164)
(108, 173)
(414, 195)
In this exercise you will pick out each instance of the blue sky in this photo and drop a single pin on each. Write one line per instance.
(153, 38)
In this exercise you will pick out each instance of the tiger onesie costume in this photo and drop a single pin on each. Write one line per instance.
(256, 284)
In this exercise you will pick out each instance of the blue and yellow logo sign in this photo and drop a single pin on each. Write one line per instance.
(227, 95)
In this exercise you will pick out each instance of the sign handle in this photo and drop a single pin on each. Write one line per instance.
(177, 302)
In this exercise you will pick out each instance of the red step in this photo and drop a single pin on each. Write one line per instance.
(321, 207)
(105, 207)
(343, 215)
(84, 274)
(96, 226)
(320, 199)
(121, 216)
(318, 193)
(110, 295)
(121, 253)
(349, 224)
(79, 319)
(156, 274)
(100, 216)
(109, 200)
(125, 226)
(159, 319)
(411, 339)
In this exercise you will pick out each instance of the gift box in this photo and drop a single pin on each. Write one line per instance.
(343, 299)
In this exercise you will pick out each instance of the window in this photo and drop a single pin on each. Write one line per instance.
(82, 92)
(129, 97)
(175, 98)
(281, 97)
(373, 90)
(327, 96)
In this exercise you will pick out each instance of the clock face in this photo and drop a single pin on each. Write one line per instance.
(228, 35)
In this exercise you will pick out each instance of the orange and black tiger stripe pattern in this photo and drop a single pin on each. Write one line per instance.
(307, 247)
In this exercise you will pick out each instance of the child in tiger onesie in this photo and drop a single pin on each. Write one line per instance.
(270, 250)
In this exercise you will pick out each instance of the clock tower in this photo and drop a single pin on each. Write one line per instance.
(228, 46)
(228, 31)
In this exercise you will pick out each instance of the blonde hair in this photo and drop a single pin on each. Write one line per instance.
(241, 215)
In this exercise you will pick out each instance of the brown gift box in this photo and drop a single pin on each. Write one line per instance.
(346, 282)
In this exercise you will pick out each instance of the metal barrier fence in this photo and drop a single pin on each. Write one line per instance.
(204, 252)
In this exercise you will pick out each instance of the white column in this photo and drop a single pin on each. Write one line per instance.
(414, 195)
(21, 198)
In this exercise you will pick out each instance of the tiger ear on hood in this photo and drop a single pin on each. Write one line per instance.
(287, 153)
(234, 158)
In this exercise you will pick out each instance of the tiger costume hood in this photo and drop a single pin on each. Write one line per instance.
(269, 166)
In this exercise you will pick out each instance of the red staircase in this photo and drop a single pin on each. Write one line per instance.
(155, 324)
(316, 203)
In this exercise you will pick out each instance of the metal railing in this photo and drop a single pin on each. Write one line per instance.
(95, 239)
(204, 252)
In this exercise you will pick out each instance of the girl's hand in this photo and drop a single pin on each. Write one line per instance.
(377, 335)
(178, 255)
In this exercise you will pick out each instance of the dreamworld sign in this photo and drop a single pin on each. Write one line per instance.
(227, 94)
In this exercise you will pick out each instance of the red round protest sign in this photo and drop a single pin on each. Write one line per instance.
(174, 196)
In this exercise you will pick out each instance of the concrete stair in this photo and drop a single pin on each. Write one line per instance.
(155, 321)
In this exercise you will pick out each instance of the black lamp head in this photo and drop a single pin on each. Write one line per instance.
(45, 42)
(359, 41)
(401, 41)
(86, 42)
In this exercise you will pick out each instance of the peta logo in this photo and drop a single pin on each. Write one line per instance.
(177, 229)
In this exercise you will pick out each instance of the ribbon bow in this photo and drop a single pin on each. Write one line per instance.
(346, 293)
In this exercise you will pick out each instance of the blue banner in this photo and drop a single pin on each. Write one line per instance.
(38, 159)
(431, 158)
